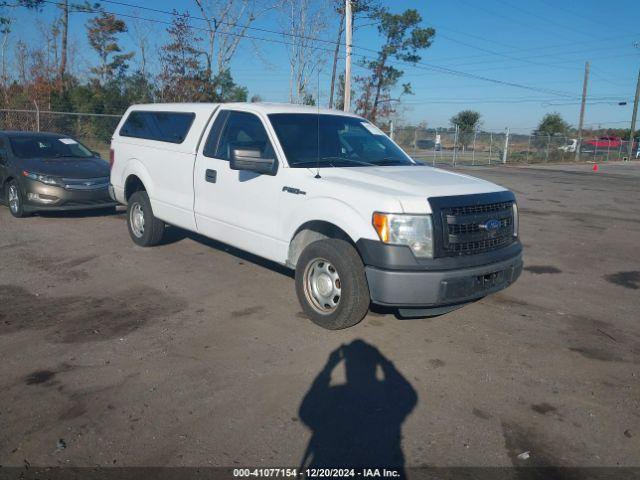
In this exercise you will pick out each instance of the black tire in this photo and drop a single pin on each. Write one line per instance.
(354, 300)
(153, 228)
(19, 211)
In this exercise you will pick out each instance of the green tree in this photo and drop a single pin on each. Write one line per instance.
(552, 124)
(467, 121)
(403, 39)
(102, 34)
(226, 90)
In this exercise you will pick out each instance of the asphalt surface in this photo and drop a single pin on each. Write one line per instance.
(193, 353)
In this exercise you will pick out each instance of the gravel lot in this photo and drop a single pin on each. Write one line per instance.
(193, 353)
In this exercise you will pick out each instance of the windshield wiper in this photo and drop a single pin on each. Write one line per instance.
(351, 160)
(310, 163)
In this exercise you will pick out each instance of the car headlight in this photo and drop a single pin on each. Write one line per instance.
(415, 231)
(46, 179)
(515, 219)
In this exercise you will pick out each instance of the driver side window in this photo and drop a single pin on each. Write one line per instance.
(243, 130)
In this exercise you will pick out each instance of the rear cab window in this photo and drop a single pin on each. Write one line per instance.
(170, 127)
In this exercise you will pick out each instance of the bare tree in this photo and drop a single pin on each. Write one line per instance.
(21, 57)
(141, 32)
(306, 20)
(227, 23)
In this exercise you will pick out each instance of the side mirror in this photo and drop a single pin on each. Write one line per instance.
(96, 153)
(250, 159)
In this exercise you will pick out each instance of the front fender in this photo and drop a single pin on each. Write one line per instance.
(355, 224)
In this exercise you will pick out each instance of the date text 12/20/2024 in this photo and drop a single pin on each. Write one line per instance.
(316, 472)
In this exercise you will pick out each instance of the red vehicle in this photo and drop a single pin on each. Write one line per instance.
(606, 142)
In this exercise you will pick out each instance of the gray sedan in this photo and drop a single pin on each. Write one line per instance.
(49, 171)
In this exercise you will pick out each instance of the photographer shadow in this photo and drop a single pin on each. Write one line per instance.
(358, 423)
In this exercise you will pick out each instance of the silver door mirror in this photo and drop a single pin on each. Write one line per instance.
(250, 159)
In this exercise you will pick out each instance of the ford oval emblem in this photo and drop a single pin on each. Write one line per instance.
(491, 225)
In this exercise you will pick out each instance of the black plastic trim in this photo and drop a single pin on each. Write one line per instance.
(440, 203)
(376, 254)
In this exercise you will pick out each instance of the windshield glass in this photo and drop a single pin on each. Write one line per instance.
(43, 146)
(334, 141)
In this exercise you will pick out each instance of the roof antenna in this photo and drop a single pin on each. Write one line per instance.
(318, 124)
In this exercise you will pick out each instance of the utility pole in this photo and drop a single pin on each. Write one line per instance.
(582, 106)
(505, 152)
(634, 116)
(347, 68)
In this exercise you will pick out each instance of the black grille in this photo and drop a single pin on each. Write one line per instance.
(475, 227)
(473, 209)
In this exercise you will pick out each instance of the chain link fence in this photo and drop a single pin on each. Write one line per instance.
(92, 129)
(435, 146)
(451, 147)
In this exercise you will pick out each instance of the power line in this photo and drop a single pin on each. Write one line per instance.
(574, 52)
(616, 38)
(509, 57)
(231, 24)
(599, 22)
(548, 20)
(501, 15)
(203, 29)
(417, 65)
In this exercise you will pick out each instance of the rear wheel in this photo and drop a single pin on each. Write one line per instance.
(331, 284)
(144, 228)
(14, 199)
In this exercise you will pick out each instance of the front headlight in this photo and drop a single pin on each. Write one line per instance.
(415, 231)
(46, 179)
(515, 219)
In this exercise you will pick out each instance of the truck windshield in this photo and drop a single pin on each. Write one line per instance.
(334, 141)
(46, 146)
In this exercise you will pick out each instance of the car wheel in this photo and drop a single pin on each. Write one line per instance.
(14, 200)
(144, 228)
(331, 284)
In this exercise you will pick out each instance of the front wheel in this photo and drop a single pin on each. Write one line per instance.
(14, 200)
(144, 228)
(331, 284)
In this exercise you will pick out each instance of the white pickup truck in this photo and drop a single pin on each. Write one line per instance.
(323, 192)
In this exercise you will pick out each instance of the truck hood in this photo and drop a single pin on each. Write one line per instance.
(410, 185)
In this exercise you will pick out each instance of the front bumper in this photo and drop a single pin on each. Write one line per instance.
(54, 198)
(422, 288)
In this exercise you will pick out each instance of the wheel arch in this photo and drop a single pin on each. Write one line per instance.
(5, 183)
(133, 184)
(312, 231)
(136, 177)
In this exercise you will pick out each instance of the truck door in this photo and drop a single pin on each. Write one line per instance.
(240, 208)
